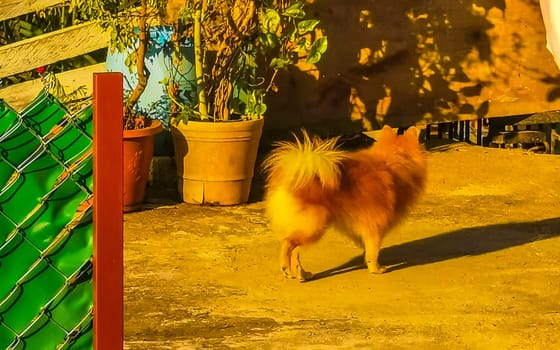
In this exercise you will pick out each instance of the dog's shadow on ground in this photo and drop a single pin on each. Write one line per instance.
(455, 244)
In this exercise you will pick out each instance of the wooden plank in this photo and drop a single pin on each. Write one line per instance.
(527, 105)
(550, 117)
(14, 8)
(39, 51)
(20, 95)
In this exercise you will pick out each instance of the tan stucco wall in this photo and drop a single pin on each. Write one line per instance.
(410, 62)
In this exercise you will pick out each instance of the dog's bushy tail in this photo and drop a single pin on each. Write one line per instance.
(303, 162)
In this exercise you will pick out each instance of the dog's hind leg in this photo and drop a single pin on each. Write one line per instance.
(289, 254)
(372, 245)
(305, 227)
(286, 258)
(289, 258)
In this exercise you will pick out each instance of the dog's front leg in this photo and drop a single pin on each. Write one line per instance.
(372, 244)
(301, 274)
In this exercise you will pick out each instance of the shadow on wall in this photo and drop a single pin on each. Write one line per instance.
(408, 62)
(456, 244)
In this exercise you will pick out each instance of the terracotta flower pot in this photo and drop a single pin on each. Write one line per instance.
(216, 161)
(138, 148)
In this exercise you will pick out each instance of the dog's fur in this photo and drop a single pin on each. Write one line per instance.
(311, 186)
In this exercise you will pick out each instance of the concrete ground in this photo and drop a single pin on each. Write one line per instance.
(475, 266)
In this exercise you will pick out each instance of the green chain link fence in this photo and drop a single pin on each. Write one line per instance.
(46, 229)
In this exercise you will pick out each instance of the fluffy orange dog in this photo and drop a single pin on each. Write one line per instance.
(311, 186)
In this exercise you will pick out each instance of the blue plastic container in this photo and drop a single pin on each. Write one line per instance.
(155, 100)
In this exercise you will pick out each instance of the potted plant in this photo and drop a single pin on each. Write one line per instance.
(216, 103)
(139, 35)
(239, 47)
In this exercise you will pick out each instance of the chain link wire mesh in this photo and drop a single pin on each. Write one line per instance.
(46, 229)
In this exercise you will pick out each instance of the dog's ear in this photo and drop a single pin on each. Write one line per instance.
(412, 132)
(387, 131)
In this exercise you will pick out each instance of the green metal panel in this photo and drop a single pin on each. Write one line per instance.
(46, 230)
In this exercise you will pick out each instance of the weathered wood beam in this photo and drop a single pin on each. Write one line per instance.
(14, 8)
(29, 54)
(20, 95)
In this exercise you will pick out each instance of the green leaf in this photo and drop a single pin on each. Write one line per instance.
(322, 44)
(313, 57)
(25, 25)
(307, 26)
(270, 21)
(268, 41)
(255, 105)
(303, 45)
(260, 109)
(26, 33)
(295, 11)
(279, 63)
(250, 61)
(318, 48)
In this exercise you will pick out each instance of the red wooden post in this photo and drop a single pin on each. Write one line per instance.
(107, 211)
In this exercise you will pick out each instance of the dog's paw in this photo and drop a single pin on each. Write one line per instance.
(286, 272)
(376, 268)
(305, 276)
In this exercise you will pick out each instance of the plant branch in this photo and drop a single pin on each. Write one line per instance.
(199, 71)
(143, 74)
(239, 24)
